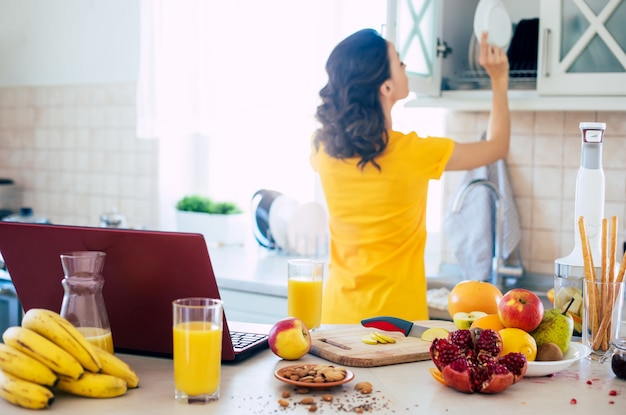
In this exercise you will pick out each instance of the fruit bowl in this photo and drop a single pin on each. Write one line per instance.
(575, 352)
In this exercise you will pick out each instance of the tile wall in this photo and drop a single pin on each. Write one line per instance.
(543, 162)
(73, 152)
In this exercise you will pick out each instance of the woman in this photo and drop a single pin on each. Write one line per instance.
(375, 179)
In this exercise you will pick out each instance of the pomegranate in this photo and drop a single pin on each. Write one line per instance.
(470, 361)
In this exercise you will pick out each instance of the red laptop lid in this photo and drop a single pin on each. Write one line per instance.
(144, 271)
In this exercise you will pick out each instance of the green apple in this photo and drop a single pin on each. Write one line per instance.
(464, 320)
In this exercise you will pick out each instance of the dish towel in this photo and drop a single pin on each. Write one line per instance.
(471, 231)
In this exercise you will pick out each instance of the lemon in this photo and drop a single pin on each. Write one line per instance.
(516, 340)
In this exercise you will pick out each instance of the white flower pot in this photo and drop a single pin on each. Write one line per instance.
(217, 229)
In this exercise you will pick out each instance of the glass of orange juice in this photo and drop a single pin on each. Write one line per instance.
(197, 332)
(304, 291)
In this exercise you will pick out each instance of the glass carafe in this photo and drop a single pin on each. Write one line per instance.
(83, 303)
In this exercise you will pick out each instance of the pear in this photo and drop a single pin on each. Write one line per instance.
(556, 327)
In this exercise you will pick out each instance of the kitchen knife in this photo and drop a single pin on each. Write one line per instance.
(388, 323)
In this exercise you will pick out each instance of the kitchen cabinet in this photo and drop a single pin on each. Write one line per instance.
(583, 46)
(578, 65)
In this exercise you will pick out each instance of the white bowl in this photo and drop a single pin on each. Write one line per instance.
(575, 352)
(491, 16)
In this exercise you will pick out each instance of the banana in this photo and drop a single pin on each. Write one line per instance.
(113, 365)
(378, 337)
(61, 332)
(25, 367)
(93, 385)
(42, 349)
(387, 339)
(23, 393)
(368, 339)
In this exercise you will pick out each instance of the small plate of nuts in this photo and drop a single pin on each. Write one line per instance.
(314, 376)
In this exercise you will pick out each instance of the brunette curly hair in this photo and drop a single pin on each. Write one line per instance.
(351, 114)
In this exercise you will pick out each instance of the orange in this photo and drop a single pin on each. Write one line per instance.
(468, 296)
(490, 321)
(435, 373)
(550, 295)
(516, 340)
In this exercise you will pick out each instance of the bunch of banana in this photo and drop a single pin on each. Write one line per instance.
(48, 353)
(376, 337)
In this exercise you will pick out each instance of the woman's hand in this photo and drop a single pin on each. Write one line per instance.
(494, 60)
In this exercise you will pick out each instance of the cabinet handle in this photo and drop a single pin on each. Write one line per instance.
(546, 52)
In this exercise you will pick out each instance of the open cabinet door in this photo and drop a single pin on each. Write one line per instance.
(414, 27)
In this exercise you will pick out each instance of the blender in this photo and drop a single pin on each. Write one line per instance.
(589, 202)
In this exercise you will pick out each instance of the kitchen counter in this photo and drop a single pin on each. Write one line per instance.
(249, 387)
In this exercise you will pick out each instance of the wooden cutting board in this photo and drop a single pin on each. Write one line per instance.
(343, 345)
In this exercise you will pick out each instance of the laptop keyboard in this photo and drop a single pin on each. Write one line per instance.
(242, 340)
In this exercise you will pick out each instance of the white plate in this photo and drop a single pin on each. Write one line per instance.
(491, 16)
(575, 352)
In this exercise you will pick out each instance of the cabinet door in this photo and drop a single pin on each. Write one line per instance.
(414, 27)
(582, 44)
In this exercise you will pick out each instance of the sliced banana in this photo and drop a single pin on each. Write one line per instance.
(369, 340)
(376, 337)
(387, 339)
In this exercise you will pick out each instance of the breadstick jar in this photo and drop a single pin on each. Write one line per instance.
(569, 271)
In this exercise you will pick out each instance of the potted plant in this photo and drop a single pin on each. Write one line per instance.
(221, 223)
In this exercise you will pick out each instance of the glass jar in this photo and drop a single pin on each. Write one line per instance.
(618, 359)
(83, 303)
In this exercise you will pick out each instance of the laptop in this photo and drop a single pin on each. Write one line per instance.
(144, 271)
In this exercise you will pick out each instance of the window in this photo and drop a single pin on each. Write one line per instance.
(267, 66)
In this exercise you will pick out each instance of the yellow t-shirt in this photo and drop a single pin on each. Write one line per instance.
(377, 225)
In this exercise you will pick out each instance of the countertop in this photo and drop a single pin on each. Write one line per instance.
(249, 387)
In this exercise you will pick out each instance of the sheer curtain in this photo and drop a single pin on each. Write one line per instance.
(230, 89)
(173, 97)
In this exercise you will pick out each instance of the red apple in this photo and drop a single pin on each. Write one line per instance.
(289, 338)
(521, 309)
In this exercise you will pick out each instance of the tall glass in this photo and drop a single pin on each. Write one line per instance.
(602, 315)
(304, 291)
(197, 333)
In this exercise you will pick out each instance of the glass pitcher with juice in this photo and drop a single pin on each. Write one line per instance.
(83, 303)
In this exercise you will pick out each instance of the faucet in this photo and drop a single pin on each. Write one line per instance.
(498, 268)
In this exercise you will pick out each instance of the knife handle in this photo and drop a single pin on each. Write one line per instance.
(388, 323)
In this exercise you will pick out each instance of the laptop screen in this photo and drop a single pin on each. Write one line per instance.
(144, 271)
